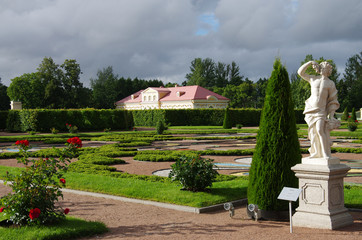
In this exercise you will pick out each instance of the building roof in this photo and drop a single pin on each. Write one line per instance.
(176, 94)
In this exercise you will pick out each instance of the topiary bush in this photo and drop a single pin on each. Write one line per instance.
(353, 115)
(194, 173)
(277, 148)
(227, 121)
(345, 115)
(160, 127)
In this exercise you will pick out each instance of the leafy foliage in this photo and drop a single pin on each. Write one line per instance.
(33, 201)
(4, 99)
(277, 148)
(350, 88)
(194, 173)
(160, 127)
(85, 119)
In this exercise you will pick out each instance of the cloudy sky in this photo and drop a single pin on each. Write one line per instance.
(158, 39)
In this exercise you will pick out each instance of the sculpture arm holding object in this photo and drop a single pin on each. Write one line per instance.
(303, 68)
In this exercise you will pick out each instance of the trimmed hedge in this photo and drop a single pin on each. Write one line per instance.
(202, 117)
(194, 117)
(43, 120)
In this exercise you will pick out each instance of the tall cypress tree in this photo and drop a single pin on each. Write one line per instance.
(353, 115)
(277, 148)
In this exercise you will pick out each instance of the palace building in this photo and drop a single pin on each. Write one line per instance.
(178, 97)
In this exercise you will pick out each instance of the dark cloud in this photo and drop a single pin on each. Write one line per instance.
(158, 38)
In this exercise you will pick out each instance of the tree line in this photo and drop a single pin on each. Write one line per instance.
(59, 86)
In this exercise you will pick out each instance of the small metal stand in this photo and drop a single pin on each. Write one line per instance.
(290, 194)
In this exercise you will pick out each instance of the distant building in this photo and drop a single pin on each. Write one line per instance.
(187, 97)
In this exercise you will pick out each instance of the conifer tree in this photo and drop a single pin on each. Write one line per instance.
(353, 115)
(345, 115)
(227, 121)
(277, 148)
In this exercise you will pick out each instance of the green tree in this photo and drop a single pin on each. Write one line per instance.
(221, 74)
(4, 99)
(234, 75)
(353, 115)
(350, 88)
(74, 94)
(51, 76)
(345, 114)
(260, 89)
(28, 89)
(202, 73)
(277, 148)
(104, 88)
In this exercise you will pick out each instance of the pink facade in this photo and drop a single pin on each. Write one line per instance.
(173, 98)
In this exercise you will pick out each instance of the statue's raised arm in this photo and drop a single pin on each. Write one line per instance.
(303, 68)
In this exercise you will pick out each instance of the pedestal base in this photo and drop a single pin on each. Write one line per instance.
(321, 204)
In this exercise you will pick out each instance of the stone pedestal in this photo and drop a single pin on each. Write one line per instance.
(321, 204)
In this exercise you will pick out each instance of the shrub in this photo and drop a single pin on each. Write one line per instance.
(239, 126)
(53, 130)
(227, 121)
(71, 128)
(160, 127)
(194, 173)
(33, 201)
(352, 125)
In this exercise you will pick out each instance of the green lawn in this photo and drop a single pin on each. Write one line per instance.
(70, 228)
(170, 192)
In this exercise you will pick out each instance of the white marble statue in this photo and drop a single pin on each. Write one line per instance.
(320, 108)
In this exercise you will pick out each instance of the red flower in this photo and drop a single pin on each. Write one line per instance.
(75, 141)
(349, 116)
(22, 142)
(62, 180)
(66, 211)
(1, 209)
(355, 120)
(34, 213)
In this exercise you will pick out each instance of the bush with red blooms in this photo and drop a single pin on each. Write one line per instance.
(75, 141)
(71, 128)
(38, 187)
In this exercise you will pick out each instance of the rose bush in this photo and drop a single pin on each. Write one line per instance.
(38, 187)
(71, 128)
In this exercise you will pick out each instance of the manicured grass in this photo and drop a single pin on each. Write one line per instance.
(158, 191)
(170, 192)
(195, 127)
(70, 228)
(353, 196)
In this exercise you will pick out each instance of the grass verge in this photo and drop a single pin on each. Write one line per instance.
(169, 192)
(70, 228)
